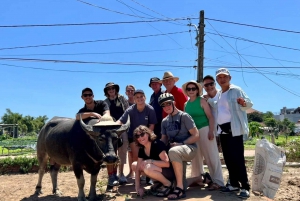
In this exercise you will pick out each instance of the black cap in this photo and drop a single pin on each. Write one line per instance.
(154, 79)
(139, 91)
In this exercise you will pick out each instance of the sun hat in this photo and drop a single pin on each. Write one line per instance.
(107, 121)
(169, 75)
(111, 84)
(192, 82)
(223, 71)
(154, 79)
(138, 91)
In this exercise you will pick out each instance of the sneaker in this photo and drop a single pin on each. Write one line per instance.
(112, 181)
(149, 181)
(122, 179)
(244, 194)
(229, 189)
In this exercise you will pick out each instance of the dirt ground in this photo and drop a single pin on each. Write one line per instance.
(22, 187)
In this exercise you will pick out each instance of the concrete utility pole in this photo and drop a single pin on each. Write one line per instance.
(200, 42)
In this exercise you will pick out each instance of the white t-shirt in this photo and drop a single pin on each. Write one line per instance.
(224, 115)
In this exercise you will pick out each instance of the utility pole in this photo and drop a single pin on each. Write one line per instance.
(200, 41)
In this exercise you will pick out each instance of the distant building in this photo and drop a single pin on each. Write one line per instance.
(292, 114)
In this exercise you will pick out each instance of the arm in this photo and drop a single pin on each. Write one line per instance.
(210, 117)
(244, 101)
(86, 115)
(194, 136)
(138, 188)
(151, 127)
(164, 138)
(106, 113)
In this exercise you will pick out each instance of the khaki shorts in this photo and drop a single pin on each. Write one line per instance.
(182, 153)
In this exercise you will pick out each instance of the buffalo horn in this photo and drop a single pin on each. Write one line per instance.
(87, 128)
(124, 127)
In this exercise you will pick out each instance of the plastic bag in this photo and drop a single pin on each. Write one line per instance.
(268, 167)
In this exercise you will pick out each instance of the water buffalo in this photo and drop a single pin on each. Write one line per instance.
(85, 146)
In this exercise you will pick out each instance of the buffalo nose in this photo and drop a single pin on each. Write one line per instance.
(111, 158)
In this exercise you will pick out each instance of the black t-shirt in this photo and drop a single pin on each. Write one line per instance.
(100, 107)
(157, 147)
(116, 109)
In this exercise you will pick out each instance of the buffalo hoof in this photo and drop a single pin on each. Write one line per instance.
(57, 192)
(38, 192)
(82, 199)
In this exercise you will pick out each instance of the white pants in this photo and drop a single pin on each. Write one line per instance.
(209, 150)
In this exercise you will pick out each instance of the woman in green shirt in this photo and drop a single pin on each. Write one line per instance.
(199, 110)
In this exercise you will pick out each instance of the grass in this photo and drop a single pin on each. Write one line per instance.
(281, 141)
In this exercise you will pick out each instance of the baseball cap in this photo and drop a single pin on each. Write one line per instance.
(223, 71)
(139, 91)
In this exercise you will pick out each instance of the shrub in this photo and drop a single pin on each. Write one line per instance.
(293, 150)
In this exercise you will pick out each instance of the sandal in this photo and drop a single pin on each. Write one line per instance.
(206, 177)
(177, 191)
(164, 191)
(154, 188)
(214, 186)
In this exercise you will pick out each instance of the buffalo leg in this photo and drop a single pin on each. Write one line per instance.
(42, 158)
(80, 182)
(92, 194)
(53, 173)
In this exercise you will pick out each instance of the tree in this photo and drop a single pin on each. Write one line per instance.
(270, 122)
(268, 114)
(26, 124)
(254, 129)
(255, 116)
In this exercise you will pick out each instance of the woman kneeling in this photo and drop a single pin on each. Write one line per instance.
(153, 161)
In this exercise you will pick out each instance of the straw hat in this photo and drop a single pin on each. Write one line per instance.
(169, 75)
(193, 82)
(107, 121)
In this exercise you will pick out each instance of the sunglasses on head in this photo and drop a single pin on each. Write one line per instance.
(166, 104)
(209, 84)
(191, 89)
(138, 136)
(86, 95)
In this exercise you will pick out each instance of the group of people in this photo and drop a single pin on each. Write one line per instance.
(178, 125)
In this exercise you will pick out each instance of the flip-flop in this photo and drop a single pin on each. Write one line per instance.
(177, 193)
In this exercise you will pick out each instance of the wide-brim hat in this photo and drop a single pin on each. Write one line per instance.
(200, 88)
(154, 79)
(107, 121)
(111, 84)
(169, 75)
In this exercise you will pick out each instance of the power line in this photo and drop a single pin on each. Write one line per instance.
(282, 87)
(94, 72)
(97, 53)
(88, 23)
(256, 26)
(251, 41)
(92, 62)
(112, 10)
(92, 41)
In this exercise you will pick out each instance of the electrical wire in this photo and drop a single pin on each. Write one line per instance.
(256, 26)
(91, 41)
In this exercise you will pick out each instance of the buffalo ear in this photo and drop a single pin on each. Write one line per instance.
(124, 127)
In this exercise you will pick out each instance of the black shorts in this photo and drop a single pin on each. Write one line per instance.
(168, 173)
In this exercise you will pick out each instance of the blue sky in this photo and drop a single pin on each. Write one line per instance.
(42, 88)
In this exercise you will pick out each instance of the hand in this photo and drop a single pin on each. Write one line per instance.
(140, 191)
(211, 135)
(241, 101)
(98, 116)
(175, 144)
(144, 163)
(206, 97)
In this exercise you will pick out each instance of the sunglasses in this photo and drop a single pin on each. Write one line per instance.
(138, 136)
(191, 89)
(86, 95)
(166, 104)
(110, 88)
(130, 90)
(209, 84)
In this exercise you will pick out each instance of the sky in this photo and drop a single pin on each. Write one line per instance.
(36, 80)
